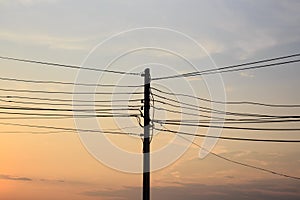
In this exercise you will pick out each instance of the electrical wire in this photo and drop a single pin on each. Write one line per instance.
(67, 66)
(67, 83)
(194, 108)
(229, 102)
(241, 163)
(180, 112)
(247, 63)
(67, 110)
(34, 132)
(43, 117)
(231, 127)
(67, 129)
(221, 120)
(102, 115)
(230, 67)
(68, 104)
(226, 121)
(51, 132)
(268, 117)
(54, 117)
(64, 92)
(254, 67)
(153, 116)
(209, 110)
(69, 100)
(229, 138)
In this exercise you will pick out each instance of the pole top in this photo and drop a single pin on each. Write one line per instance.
(146, 72)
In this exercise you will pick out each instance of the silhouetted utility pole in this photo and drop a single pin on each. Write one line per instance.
(146, 143)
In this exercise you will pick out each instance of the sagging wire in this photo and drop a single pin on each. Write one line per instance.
(153, 115)
(140, 123)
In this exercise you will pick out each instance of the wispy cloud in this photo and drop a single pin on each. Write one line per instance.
(22, 178)
(259, 190)
(45, 40)
(49, 180)
(260, 41)
(245, 74)
(14, 178)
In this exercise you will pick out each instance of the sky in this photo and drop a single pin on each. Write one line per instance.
(169, 37)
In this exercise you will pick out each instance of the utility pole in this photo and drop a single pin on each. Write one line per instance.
(146, 142)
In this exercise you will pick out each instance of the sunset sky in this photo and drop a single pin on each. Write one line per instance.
(169, 37)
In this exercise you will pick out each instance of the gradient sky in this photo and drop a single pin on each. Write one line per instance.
(58, 166)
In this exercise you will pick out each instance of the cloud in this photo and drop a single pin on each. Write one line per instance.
(229, 88)
(252, 27)
(257, 42)
(194, 78)
(49, 180)
(260, 190)
(211, 45)
(245, 74)
(21, 178)
(45, 40)
(14, 178)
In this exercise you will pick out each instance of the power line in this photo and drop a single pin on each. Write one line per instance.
(219, 118)
(102, 115)
(226, 121)
(223, 119)
(208, 110)
(43, 117)
(67, 83)
(34, 132)
(179, 112)
(258, 116)
(153, 114)
(68, 104)
(67, 110)
(69, 100)
(241, 163)
(64, 92)
(229, 121)
(68, 129)
(230, 68)
(229, 138)
(231, 127)
(55, 117)
(247, 63)
(58, 132)
(67, 66)
(195, 108)
(254, 67)
(229, 102)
